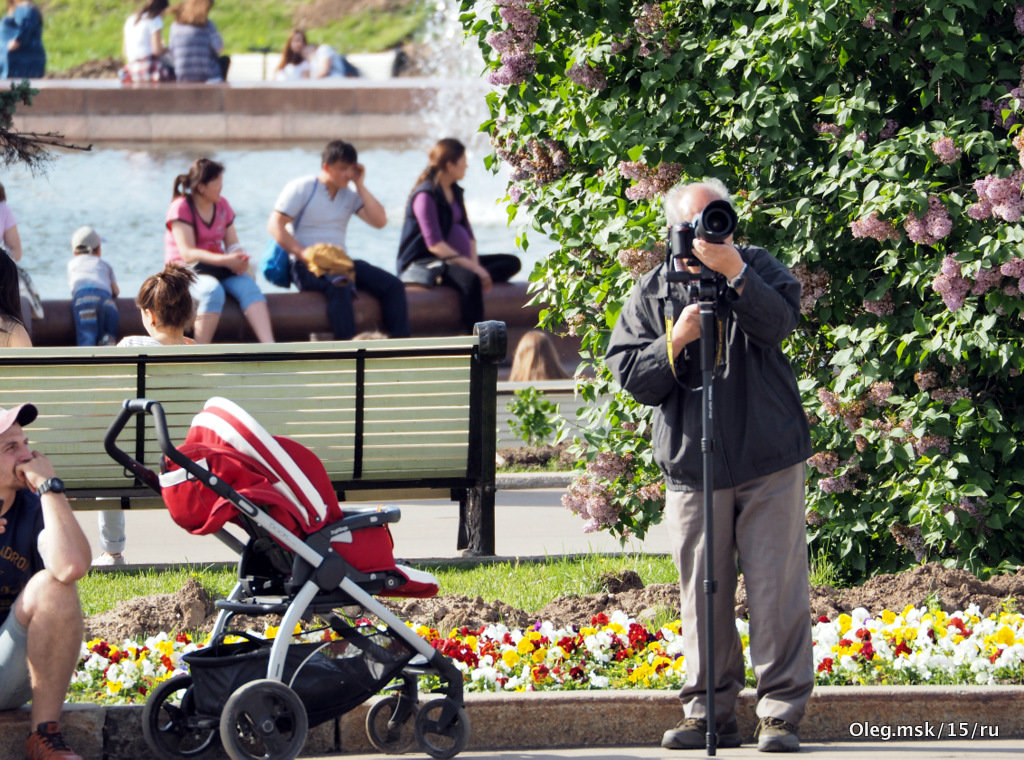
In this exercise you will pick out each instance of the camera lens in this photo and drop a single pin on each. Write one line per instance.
(717, 222)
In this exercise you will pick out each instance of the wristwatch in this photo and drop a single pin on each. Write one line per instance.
(737, 282)
(52, 484)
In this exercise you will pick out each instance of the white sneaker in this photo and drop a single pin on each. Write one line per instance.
(108, 560)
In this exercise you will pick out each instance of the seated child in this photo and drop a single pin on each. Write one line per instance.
(93, 290)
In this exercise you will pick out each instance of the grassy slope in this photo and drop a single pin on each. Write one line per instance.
(76, 31)
(527, 586)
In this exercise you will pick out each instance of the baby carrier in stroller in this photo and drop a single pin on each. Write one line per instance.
(305, 559)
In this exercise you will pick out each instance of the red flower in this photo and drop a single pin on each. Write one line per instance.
(823, 619)
(569, 644)
(638, 635)
(599, 619)
(864, 634)
(901, 649)
(825, 666)
(540, 673)
(867, 651)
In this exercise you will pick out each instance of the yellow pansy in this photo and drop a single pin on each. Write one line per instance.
(510, 657)
(888, 617)
(845, 623)
(1005, 636)
(525, 646)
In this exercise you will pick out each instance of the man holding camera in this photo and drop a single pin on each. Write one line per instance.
(761, 439)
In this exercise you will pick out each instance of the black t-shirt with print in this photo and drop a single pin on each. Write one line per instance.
(19, 548)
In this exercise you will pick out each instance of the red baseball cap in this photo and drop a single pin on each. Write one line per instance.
(22, 414)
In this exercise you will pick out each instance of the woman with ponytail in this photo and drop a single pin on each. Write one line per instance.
(201, 234)
(437, 235)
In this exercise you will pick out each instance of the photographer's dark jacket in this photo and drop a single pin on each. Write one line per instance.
(759, 423)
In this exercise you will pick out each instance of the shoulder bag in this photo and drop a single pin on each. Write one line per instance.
(274, 263)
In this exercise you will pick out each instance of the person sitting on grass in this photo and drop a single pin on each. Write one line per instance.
(43, 553)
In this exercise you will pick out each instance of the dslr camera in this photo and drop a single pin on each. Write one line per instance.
(714, 224)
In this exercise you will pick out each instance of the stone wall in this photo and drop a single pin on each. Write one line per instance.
(88, 111)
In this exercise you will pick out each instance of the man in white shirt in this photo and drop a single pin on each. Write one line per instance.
(317, 209)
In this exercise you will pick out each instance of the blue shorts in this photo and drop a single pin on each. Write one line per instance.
(15, 686)
(209, 292)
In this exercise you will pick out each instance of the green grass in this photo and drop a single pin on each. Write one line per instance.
(76, 31)
(524, 585)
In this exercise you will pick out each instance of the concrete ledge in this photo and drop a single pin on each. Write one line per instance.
(602, 718)
(104, 110)
(523, 480)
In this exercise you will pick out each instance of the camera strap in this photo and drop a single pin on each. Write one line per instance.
(669, 322)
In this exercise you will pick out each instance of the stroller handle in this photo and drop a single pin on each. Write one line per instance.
(129, 409)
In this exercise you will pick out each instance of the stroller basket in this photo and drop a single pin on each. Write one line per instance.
(330, 678)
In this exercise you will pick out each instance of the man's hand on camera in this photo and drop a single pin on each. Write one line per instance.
(719, 257)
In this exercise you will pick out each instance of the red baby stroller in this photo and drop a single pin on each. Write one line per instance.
(305, 559)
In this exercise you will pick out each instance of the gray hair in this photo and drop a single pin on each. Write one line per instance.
(674, 197)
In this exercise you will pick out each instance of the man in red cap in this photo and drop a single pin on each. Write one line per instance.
(43, 552)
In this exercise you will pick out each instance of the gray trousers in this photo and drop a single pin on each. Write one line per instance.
(761, 523)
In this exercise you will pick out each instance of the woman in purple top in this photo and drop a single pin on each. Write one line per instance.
(437, 234)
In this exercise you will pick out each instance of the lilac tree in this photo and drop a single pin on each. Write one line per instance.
(875, 148)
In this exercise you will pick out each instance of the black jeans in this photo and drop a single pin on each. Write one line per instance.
(382, 285)
(501, 266)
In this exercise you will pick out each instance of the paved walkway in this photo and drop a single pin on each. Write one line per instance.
(996, 749)
(528, 523)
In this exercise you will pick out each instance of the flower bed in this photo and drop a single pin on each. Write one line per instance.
(915, 646)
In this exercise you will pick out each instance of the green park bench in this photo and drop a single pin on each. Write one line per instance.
(390, 419)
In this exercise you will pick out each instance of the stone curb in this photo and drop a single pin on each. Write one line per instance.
(513, 481)
(604, 718)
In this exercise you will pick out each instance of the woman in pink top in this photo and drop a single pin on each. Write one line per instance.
(201, 234)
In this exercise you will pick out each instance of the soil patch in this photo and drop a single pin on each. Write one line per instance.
(535, 457)
(191, 608)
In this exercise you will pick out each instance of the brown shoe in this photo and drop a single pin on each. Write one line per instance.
(46, 743)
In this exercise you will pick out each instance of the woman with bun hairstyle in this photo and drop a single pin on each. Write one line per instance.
(201, 234)
(167, 309)
(437, 229)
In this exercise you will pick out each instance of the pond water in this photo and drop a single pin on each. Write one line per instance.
(124, 193)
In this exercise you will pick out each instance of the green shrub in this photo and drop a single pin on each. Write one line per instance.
(534, 419)
(873, 147)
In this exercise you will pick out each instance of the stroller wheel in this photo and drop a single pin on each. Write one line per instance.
(387, 729)
(263, 720)
(442, 728)
(169, 724)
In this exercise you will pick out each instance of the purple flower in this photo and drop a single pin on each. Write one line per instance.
(638, 260)
(946, 150)
(873, 227)
(589, 76)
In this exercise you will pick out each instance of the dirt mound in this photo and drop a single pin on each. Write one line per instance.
(191, 608)
(98, 68)
(185, 610)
